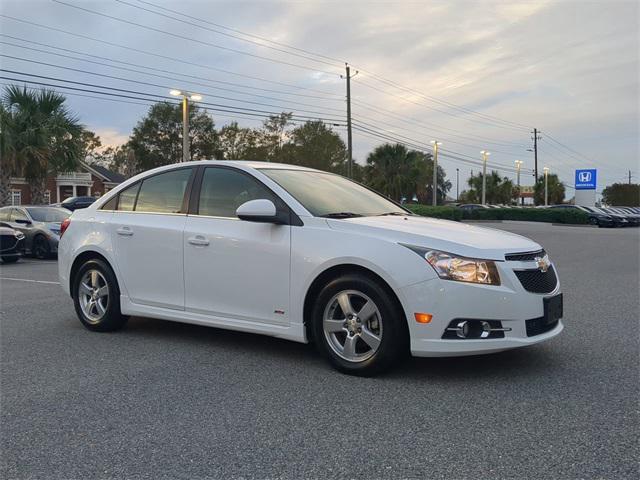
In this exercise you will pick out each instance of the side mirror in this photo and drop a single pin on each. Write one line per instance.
(261, 210)
(23, 221)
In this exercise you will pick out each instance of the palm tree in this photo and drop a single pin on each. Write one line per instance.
(38, 136)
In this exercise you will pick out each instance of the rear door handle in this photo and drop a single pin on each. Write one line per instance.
(125, 231)
(198, 241)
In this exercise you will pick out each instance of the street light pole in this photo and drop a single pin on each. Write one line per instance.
(435, 171)
(457, 184)
(546, 186)
(186, 96)
(518, 164)
(185, 129)
(485, 154)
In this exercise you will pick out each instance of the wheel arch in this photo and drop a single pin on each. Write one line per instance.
(335, 271)
(83, 258)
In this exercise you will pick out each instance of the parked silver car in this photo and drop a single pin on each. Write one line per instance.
(39, 224)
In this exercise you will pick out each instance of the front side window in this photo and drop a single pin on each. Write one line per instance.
(17, 214)
(327, 194)
(163, 193)
(224, 190)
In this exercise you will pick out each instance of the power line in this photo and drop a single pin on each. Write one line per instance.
(166, 57)
(202, 42)
(234, 84)
(166, 87)
(259, 44)
(213, 106)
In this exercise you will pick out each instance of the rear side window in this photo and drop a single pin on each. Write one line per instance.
(224, 190)
(127, 198)
(163, 193)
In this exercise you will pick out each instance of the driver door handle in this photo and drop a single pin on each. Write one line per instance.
(125, 231)
(198, 241)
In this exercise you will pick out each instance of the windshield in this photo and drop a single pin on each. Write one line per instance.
(48, 214)
(330, 195)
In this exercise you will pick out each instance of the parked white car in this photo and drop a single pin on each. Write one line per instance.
(304, 255)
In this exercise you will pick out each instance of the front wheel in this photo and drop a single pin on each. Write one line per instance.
(41, 247)
(358, 326)
(96, 297)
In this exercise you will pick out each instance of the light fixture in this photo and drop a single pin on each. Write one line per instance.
(195, 96)
(175, 93)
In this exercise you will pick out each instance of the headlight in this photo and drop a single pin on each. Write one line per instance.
(18, 235)
(460, 269)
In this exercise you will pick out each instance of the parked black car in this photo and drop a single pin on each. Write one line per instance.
(11, 244)
(632, 217)
(471, 206)
(618, 220)
(75, 203)
(595, 218)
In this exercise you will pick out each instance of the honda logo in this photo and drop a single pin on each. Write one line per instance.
(584, 177)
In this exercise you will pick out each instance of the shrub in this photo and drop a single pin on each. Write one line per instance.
(554, 215)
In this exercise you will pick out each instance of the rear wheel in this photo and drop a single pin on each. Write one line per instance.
(358, 326)
(96, 297)
(41, 247)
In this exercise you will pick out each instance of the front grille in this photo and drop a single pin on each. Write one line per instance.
(536, 281)
(538, 326)
(524, 257)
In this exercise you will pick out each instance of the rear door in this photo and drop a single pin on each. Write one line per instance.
(235, 269)
(147, 230)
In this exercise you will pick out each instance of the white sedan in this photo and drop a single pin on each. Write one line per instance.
(304, 255)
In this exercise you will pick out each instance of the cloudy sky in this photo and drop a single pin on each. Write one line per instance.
(473, 75)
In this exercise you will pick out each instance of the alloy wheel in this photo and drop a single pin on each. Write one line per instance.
(93, 293)
(352, 325)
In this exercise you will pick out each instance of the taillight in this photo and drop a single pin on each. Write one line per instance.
(64, 225)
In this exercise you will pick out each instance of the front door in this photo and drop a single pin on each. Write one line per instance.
(235, 269)
(147, 233)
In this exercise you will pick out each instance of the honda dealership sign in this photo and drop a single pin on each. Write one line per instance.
(586, 179)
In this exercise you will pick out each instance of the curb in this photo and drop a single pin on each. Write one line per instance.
(481, 221)
(583, 225)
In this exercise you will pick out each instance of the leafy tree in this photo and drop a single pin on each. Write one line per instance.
(398, 172)
(237, 143)
(91, 146)
(622, 194)
(40, 136)
(555, 192)
(274, 135)
(499, 190)
(316, 145)
(157, 138)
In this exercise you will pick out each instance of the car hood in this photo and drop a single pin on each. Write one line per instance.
(449, 236)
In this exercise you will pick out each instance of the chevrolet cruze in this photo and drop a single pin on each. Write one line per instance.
(307, 256)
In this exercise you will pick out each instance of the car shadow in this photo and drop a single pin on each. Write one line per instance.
(537, 360)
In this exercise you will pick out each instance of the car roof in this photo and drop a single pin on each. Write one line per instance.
(257, 164)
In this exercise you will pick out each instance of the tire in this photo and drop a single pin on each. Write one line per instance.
(377, 341)
(41, 248)
(104, 314)
(594, 221)
(10, 259)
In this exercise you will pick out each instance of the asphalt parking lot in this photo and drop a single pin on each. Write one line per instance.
(165, 400)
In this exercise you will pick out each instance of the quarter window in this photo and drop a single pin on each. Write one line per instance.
(224, 190)
(127, 198)
(163, 193)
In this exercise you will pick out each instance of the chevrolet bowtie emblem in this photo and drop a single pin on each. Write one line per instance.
(543, 263)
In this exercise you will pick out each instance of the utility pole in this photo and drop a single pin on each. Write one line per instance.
(349, 134)
(457, 184)
(435, 171)
(535, 152)
(629, 177)
(485, 154)
(546, 186)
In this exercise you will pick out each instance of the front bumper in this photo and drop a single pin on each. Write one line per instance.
(446, 301)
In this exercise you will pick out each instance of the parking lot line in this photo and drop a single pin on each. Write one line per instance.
(29, 280)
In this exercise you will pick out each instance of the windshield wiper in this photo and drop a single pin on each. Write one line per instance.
(342, 215)
(399, 214)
